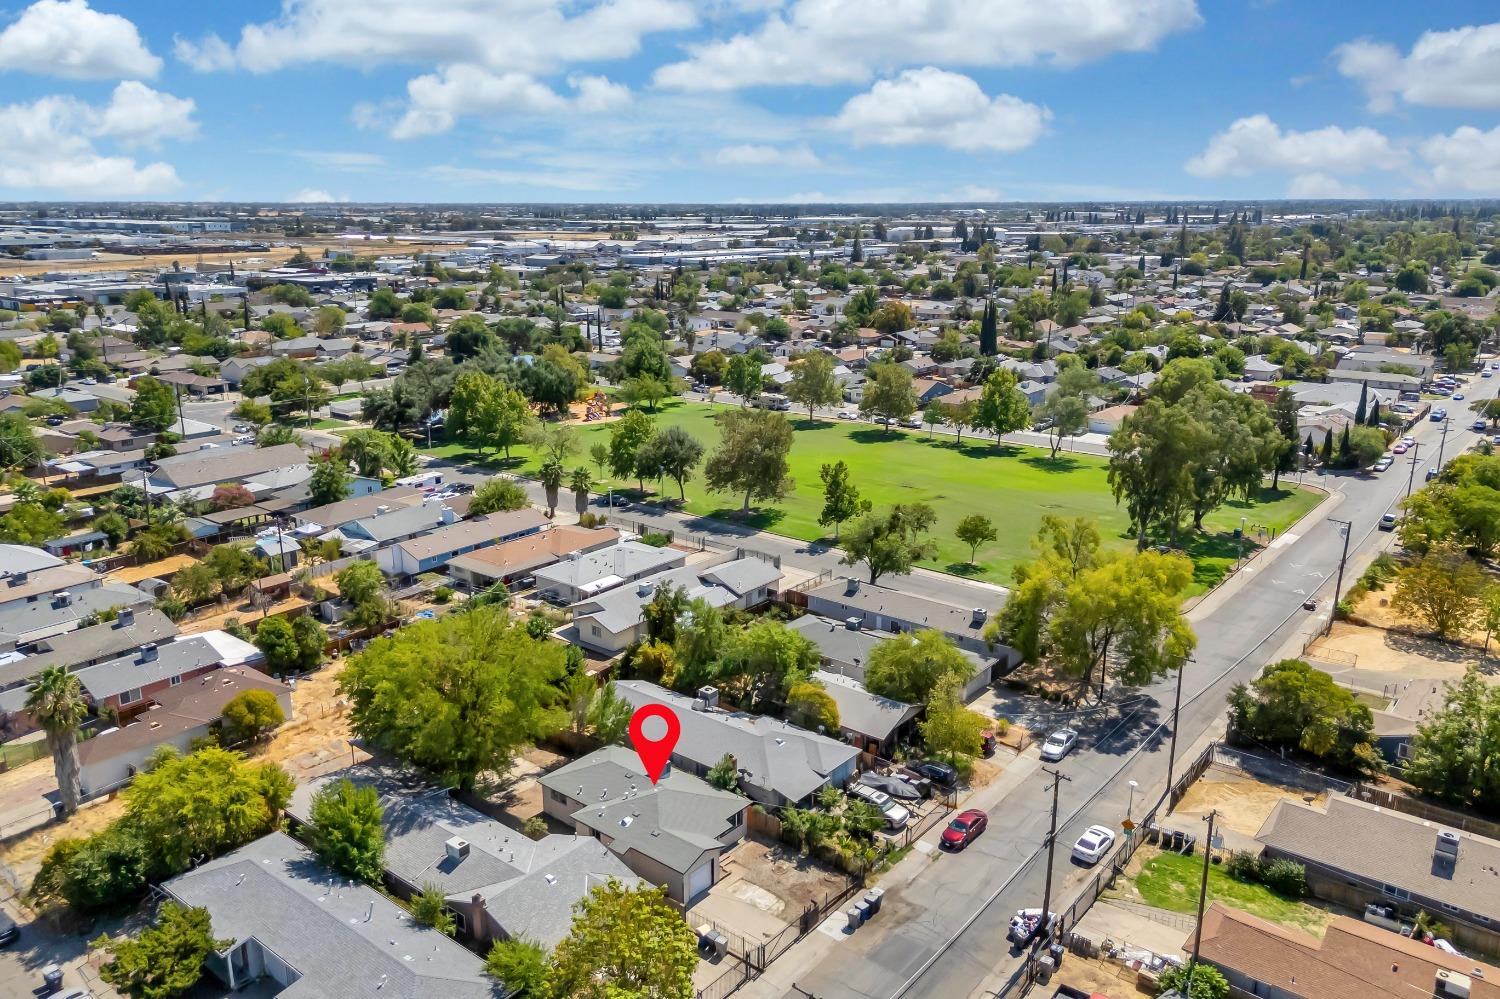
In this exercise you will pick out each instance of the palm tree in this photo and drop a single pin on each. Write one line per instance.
(58, 704)
(579, 482)
(552, 480)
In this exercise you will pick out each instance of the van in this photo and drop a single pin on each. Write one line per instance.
(896, 816)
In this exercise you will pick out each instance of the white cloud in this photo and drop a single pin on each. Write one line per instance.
(314, 196)
(50, 147)
(1321, 185)
(1452, 69)
(437, 100)
(521, 36)
(1467, 160)
(847, 41)
(140, 116)
(70, 39)
(752, 154)
(931, 106)
(1255, 144)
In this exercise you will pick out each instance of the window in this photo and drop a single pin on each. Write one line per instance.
(1482, 919)
(459, 922)
(175, 681)
(557, 796)
(1396, 893)
(1451, 908)
(737, 820)
(130, 696)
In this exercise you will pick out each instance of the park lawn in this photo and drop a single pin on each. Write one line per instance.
(1170, 881)
(1013, 486)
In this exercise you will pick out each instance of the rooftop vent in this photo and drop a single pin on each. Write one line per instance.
(64, 598)
(17, 578)
(149, 652)
(708, 697)
(853, 623)
(456, 848)
(382, 508)
(126, 617)
(642, 589)
(447, 514)
(980, 615)
(851, 586)
(1446, 848)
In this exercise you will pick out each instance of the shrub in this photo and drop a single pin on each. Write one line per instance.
(1207, 982)
(521, 964)
(442, 594)
(1285, 877)
(1244, 866)
(430, 908)
(252, 715)
(656, 540)
(534, 827)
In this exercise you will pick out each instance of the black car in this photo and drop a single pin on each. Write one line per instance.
(461, 487)
(940, 774)
(9, 931)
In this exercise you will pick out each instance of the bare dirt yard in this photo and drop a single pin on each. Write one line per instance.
(1242, 802)
(1100, 976)
(1376, 649)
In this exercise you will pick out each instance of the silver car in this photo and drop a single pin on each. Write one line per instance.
(1059, 744)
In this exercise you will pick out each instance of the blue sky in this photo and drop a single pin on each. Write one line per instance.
(748, 100)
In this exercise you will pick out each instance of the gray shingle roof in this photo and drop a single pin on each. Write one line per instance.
(863, 712)
(88, 645)
(225, 464)
(345, 940)
(51, 617)
(628, 559)
(620, 608)
(171, 659)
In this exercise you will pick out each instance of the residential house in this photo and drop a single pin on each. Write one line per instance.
(871, 722)
(612, 620)
(1376, 379)
(499, 883)
(390, 525)
(207, 467)
(519, 559)
(176, 716)
(127, 683)
(309, 932)
(671, 833)
(432, 551)
(1356, 853)
(57, 613)
(584, 575)
(778, 763)
(1369, 358)
(1107, 421)
(333, 516)
(1260, 368)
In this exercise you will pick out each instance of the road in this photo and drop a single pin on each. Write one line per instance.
(946, 931)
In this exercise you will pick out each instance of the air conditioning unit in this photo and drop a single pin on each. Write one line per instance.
(852, 623)
(1446, 847)
(1451, 985)
(709, 696)
(457, 848)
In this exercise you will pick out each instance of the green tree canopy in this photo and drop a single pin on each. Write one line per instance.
(751, 458)
(1295, 705)
(892, 541)
(909, 667)
(165, 960)
(626, 943)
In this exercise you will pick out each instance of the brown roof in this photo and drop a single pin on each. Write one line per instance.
(178, 709)
(1354, 958)
(536, 550)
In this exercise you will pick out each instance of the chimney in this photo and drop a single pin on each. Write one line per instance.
(126, 617)
(148, 652)
(1445, 851)
(852, 623)
(457, 848)
(446, 513)
(851, 586)
(64, 598)
(709, 696)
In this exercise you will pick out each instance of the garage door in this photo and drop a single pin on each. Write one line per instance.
(699, 881)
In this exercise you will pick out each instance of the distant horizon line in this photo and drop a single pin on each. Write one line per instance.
(730, 206)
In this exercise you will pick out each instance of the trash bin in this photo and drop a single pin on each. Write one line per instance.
(52, 977)
(863, 908)
(1056, 953)
(854, 919)
(872, 899)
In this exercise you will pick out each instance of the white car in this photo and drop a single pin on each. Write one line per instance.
(1093, 844)
(896, 815)
(1059, 744)
(846, 414)
(1382, 464)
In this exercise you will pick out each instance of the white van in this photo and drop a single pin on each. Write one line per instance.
(896, 815)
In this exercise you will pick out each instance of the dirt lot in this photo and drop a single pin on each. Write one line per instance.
(214, 616)
(1099, 976)
(1243, 803)
(165, 567)
(1380, 650)
(210, 261)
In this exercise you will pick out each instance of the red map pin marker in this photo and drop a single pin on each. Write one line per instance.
(654, 753)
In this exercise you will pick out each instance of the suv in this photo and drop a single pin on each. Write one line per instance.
(939, 773)
(896, 816)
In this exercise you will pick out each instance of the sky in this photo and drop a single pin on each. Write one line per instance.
(748, 100)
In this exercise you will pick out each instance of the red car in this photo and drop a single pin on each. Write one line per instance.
(965, 829)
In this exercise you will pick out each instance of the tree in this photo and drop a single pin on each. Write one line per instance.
(348, 829)
(1151, 465)
(810, 706)
(155, 404)
(989, 335)
(579, 482)
(889, 394)
(908, 667)
(645, 389)
(166, 960)
(893, 317)
(743, 377)
(1003, 407)
(195, 583)
(251, 715)
(609, 714)
(233, 565)
(960, 416)
(204, 803)
(891, 542)
(628, 436)
(671, 453)
(330, 480)
(429, 907)
(724, 775)
(813, 382)
(1444, 590)
(1205, 981)
(752, 456)
(58, 704)
(950, 729)
(975, 530)
(661, 614)
(521, 965)
(551, 477)
(841, 499)
(459, 695)
(276, 640)
(1294, 705)
(760, 663)
(1452, 754)
(625, 943)
(498, 494)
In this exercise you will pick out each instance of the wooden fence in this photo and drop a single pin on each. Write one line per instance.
(1397, 802)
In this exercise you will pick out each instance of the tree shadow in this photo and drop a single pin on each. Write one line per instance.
(1062, 463)
(804, 426)
(759, 520)
(964, 568)
(874, 435)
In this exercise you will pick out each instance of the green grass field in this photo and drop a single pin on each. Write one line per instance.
(1014, 486)
(1170, 881)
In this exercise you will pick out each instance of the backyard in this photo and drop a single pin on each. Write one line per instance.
(1014, 486)
(1170, 881)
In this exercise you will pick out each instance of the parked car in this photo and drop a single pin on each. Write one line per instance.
(965, 829)
(1458, 397)
(462, 488)
(1093, 844)
(9, 931)
(1495, 440)
(1059, 744)
(936, 771)
(1382, 464)
(1387, 522)
(243, 428)
(1439, 415)
(1401, 448)
(896, 816)
(914, 421)
(1433, 473)
(612, 499)
(1479, 426)
(897, 788)
(1408, 440)
(847, 414)
(1485, 373)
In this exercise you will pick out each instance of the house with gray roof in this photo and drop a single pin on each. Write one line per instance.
(672, 833)
(433, 550)
(213, 465)
(126, 682)
(582, 575)
(610, 621)
(778, 763)
(386, 527)
(499, 883)
(130, 629)
(58, 613)
(307, 933)
(1356, 853)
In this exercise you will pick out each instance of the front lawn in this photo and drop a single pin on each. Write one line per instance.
(1014, 486)
(1170, 881)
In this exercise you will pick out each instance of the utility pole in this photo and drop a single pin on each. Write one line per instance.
(1346, 528)
(1443, 443)
(1176, 707)
(1208, 852)
(1411, 478)
(1045, 935)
